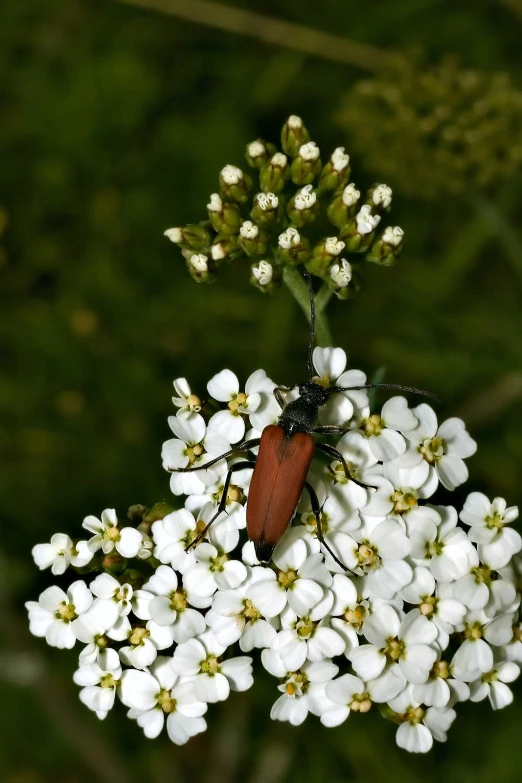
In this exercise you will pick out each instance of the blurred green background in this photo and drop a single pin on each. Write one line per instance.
(114, 123)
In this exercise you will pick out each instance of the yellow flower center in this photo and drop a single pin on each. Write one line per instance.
(394, 649)
(111, 534)
(441, 669)
(178, 600)
(210, 665)
(474, 631)
(427, 607)
(404, 500)
(138, 636)
(165, 701)
(367, 555)
(287, 578)
(495, 521)
(194, 453)
(361, 702)
(238, 402)
(250, 612)
(482, 575)
(432, 449)
(108, 681)
(66, 612)
(373, 425)
(194, 402)
(355, 617)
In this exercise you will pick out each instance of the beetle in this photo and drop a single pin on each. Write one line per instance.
(286, 450)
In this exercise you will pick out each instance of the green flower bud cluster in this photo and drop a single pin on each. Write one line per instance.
(293, 210)
(439, 129)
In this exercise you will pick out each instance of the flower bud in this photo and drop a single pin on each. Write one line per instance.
(340, 278)
(136, 512)
(192, 236)
(252, 239)
(267, 208)
(336, 172)
(225, 217)
(201, 268)
(265, 276)
(225, 248)
(307, 165)
(303, 207)
(274, 175)
(358, 233)
(324, 254)
(388, 247)
(158, 511)
(293, 135)
(259, 152)
(379, 197)
(233, 184)
(342, 206)
(292, 247)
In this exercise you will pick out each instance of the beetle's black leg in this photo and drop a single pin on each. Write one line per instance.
(245, 446)
(223, 501)
(279, 396)
(330, 429)
(330, 451)
(314, 500)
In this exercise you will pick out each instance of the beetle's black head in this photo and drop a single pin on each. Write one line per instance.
(313, 393)
(263, 551)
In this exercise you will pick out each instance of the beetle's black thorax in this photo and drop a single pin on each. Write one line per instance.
(301, 415)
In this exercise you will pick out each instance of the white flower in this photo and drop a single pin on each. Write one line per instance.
(213, 570)
(144, 643)
(307, 637)
(52, 616)
(475, 657)
(435, 537)
(330, 364)
(158, 693)
(299, 581)
(187, 402)
(199, 262)
(279, 160)
(170, 605)
(234, 617)
(379, 554)
(195, 444)
(263, 272)
(231, 175)
(435, 454)
(305, 198)
(341, 273)
(303, 691)
(267, 201)
(393, 235)
(351, 195)
(215, 204)
(487, 520)
(384, 431)
(256, 149)
(366, 222)
(108, 536)
(113, 599)
(100, 680)
(394, 643)
(442, 609)
(382, 194)
(350, 693)
(91, 629)
(333, 245)
(309, 151)
(339, 159)
(60, 553)
(249, 230)
(200, 658)
(289, 238)
(441, 689)
(174, 234)
(492, 685)
(224, 387)
(420, 727)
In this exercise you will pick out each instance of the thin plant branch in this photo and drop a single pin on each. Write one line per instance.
(299, 290)
(272, 30)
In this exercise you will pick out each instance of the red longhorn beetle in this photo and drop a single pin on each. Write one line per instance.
(285, 453)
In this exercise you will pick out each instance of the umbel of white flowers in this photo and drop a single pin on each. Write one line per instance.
(266, 217)
(428, 615)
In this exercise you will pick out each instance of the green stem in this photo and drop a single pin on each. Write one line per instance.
(299, 290)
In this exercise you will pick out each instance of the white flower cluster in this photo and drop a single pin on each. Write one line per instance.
(426, 614)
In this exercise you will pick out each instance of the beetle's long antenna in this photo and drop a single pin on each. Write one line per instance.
(411, 389)
(309, 362)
